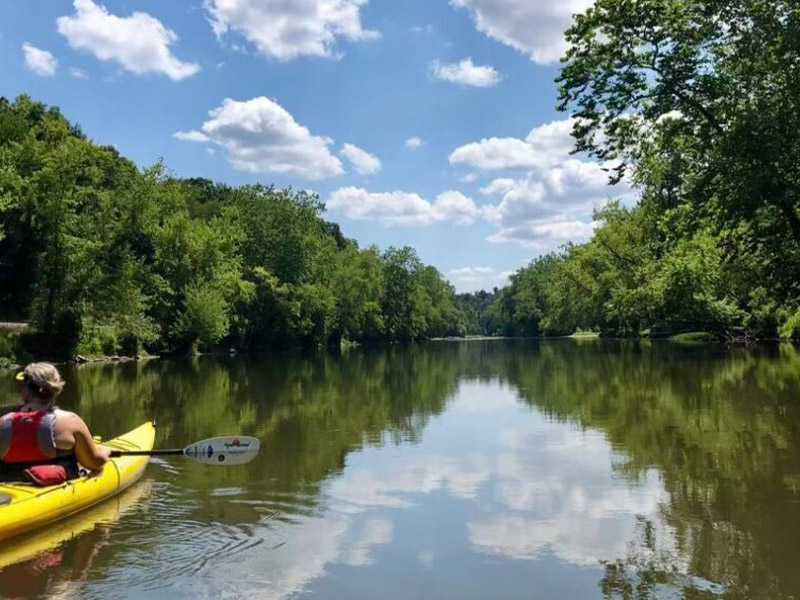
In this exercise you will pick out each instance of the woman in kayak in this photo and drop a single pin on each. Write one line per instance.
(38, 432)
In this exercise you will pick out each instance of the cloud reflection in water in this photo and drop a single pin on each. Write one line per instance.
(514, 485)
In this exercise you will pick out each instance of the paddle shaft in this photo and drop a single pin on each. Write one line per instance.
(173, 452)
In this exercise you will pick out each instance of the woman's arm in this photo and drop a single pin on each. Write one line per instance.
(89, 454)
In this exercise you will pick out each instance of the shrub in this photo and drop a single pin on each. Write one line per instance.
(790, 330)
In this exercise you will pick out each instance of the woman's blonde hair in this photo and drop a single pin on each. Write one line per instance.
(43, 380)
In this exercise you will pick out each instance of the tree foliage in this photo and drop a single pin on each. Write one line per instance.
(104, 257)
(697, 104)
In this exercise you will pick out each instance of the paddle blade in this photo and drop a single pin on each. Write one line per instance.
(223, 451)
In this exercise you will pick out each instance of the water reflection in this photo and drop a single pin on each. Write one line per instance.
(53, 562)
(556, 492)
(453, 470)
(721, 427)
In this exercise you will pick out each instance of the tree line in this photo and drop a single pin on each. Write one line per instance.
(697, 105)
(102, 257)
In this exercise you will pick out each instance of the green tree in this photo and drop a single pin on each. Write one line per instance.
(701, 103)
(358, 291)
(400, 271)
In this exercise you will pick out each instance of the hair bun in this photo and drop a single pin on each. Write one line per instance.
(43, 380)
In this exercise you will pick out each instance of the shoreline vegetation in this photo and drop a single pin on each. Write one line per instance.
(694, 113)
(103, 258)
(697, 338)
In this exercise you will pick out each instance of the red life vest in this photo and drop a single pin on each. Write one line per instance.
(28, 436)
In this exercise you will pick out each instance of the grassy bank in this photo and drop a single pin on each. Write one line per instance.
(694, 337)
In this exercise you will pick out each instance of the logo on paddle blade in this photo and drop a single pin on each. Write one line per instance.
(236, 443)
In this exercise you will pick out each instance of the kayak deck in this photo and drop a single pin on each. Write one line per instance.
(31, 507)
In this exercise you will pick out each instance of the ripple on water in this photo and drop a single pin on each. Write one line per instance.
(172, 538)
(226, 492)
(184, 548)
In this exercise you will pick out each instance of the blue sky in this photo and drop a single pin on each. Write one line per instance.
(325, 95)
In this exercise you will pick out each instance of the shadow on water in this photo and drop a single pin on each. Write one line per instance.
(715, 430)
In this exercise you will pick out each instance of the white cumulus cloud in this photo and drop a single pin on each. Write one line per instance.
(467, 279)
(414, 142)
(545, 145)
(500, 186)
(39, 61)
(403, 208)
(492, 154)
(465, 72)
(552, 198)
(455, 206)
(139, 43)
(468, 272)
(547, 208)
(260, 136)
(534, 27)
(286, 30)
(545, 234)
(190, 136)
(363, 162)
(573, 186)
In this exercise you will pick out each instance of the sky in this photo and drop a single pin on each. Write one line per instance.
(429, 123)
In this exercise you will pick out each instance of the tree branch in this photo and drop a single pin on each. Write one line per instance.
(616, 254)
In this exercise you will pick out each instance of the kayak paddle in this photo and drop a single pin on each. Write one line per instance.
(214, 451)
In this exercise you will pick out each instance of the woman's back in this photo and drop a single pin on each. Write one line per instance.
(38, 431)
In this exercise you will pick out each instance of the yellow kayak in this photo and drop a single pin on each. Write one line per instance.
(31, 507)
(73, 528)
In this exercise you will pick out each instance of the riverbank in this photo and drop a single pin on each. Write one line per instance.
(11, 361)
(13, 353)
(685, 337)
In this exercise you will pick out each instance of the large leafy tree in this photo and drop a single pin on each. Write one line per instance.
(698, 102)
(728, 70)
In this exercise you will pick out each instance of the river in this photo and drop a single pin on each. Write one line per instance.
(449, 470)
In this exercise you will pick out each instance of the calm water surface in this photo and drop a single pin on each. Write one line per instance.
(560, 469)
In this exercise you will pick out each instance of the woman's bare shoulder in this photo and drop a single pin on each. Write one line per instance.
(66, 415)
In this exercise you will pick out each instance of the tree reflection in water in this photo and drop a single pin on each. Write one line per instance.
(703, 441)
